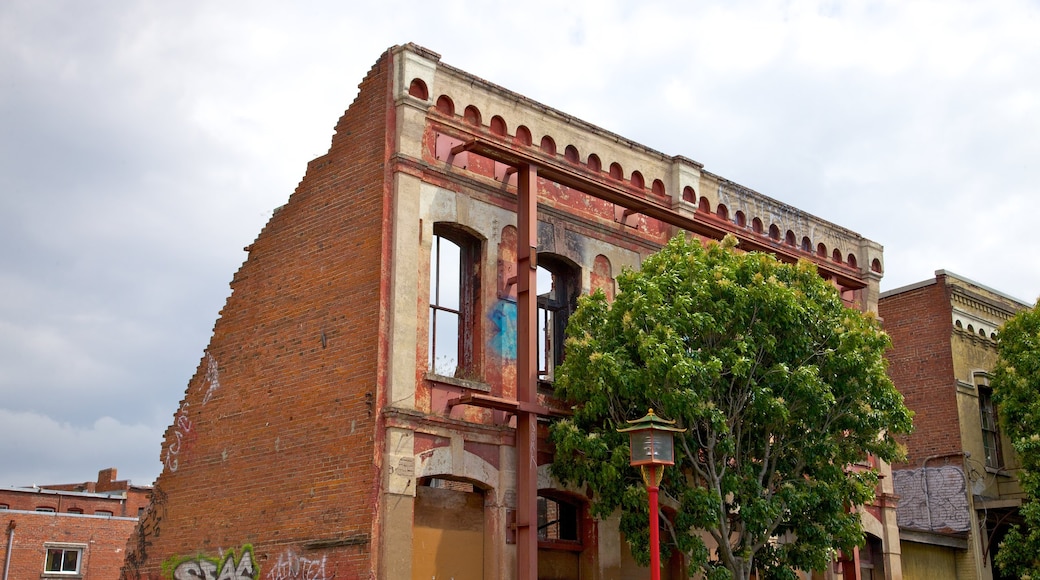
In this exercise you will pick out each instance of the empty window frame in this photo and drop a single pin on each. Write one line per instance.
(558, 288)
(990, 425)
(558, 521)
(63, 559)
(454, 292)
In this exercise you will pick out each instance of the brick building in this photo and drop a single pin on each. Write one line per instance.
(69, 530)
(959, 486)
(372, 401)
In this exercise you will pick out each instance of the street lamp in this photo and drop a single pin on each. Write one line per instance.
(652, 445)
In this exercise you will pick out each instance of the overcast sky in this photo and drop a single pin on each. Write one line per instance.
(143, 144)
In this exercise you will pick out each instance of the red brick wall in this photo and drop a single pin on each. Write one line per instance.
(921, 365)
(29, 500)
(104, 541)
(270, 455)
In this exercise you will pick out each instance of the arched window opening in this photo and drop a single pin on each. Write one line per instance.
(875, 266)
(756, 226)
(548, 146)
(523, 136)
(789, 238)
(637, 180)
(774, 232)
(704, 205)
(616, 171)
(454, 296)
(570, 153)
(445, 105)
(658, 188)
(418, 90)
(498, 126)
(852, 260)
(722, 211)
(689, 195)
(836, 255)
(594, 164)
(740, 219)
(472, 115)
(821, 250)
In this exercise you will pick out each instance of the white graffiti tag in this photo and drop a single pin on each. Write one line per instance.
(290, 566)
(181, 427)
(212, 377)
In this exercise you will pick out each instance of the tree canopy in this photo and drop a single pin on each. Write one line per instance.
(782, 390)
(1016, 389)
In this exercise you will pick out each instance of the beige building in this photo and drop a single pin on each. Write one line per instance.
(959, 488)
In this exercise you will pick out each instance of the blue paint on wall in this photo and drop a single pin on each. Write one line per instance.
(503, 317)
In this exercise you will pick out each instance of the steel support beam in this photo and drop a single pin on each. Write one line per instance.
(527, 373)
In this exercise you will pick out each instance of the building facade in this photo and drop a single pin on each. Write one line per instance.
(374, 398)
(958, 488)
(69, 530)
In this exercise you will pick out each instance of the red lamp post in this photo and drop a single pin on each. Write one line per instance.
(652, 445)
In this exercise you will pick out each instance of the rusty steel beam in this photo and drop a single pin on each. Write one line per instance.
(527, 372)
(708, 227)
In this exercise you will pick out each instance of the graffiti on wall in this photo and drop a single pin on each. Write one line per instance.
(212, 377)
(292, 566)
(503, 318)
(932, 499)
(181, 429)
(149, 527)
(224, 567)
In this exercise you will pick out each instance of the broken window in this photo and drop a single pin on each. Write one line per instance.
(454, 292)
(990, 426)
(558, 288)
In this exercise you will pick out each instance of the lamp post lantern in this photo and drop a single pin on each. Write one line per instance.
(652, 447)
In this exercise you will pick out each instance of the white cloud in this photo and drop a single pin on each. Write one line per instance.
(39, 450)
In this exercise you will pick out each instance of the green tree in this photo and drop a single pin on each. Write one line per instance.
(780, 386)
(1016, 389)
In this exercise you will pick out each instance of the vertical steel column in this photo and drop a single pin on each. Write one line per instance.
(526, 373)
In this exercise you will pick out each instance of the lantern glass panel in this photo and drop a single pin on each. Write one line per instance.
(663, 451)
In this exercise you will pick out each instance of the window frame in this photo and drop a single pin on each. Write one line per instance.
(554, 309)
(466, 350)
(78, 549)
(989, 422)
(574, 510)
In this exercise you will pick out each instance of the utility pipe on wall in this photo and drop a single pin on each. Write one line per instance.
(10, 545)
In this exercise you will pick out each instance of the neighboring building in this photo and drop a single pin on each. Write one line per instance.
(959, 487)
(69, 530)
(374, 398)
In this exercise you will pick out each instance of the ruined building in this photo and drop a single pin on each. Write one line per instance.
(372, 403)
(959, 490)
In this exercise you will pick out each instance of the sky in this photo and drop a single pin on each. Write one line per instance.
(143, 144)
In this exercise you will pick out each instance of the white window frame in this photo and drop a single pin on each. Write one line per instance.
(80, 549)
